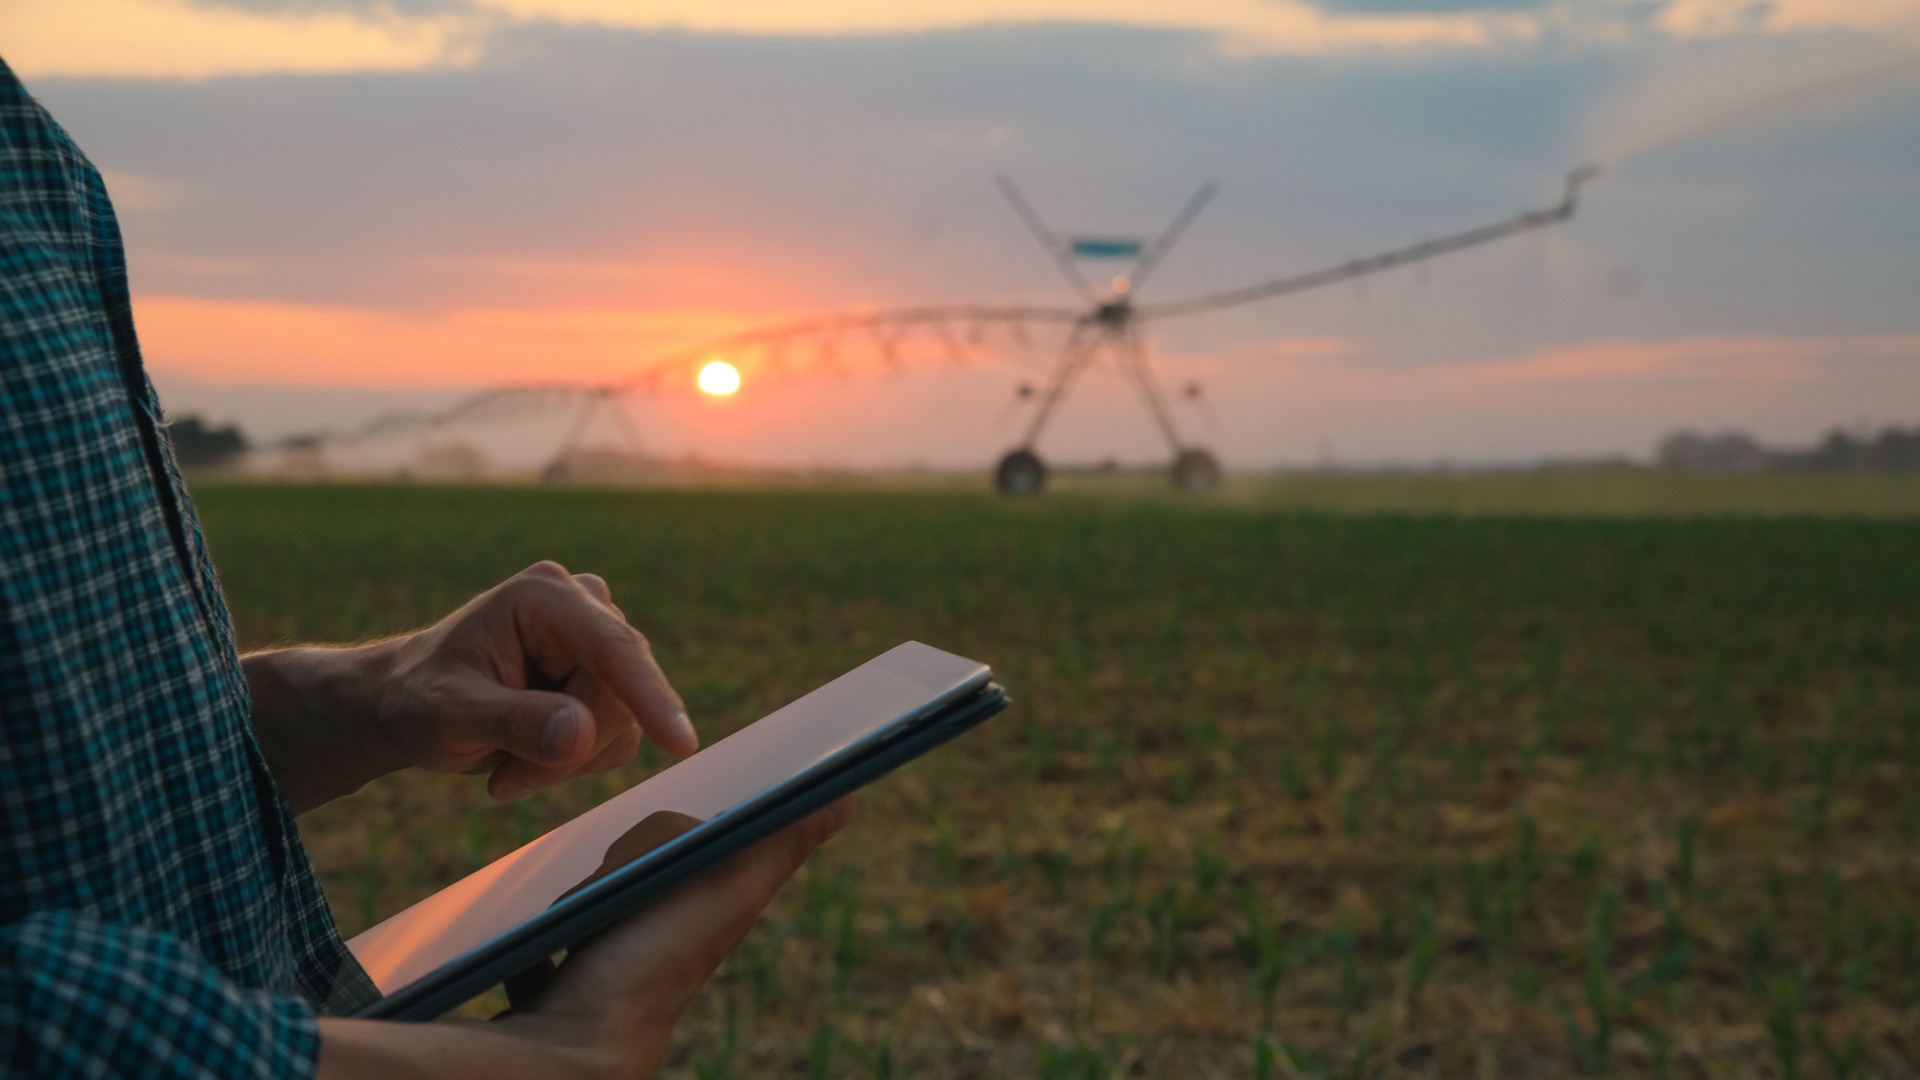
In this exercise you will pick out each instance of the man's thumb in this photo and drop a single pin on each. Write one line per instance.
(540, 726)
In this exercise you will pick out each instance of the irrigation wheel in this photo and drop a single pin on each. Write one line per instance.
(1020, 473)
(1195, 471)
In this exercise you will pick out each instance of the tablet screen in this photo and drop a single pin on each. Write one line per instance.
(870, 702)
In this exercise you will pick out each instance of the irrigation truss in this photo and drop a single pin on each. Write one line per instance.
(1106, 324)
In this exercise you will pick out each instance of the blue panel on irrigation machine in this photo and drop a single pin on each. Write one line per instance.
(1105, 249)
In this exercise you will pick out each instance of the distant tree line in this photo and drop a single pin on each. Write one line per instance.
(199, 445)
(1892, 449)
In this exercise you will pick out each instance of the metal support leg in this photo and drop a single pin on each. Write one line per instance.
(635, 445)
(1073, 360)
(1136, 355)
(556, 470)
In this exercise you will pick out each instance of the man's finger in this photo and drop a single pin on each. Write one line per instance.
(564, 627)
(596, 587)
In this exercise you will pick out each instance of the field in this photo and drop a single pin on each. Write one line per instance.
(1443, 788)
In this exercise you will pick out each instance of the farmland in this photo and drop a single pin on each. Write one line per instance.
(1440, 788)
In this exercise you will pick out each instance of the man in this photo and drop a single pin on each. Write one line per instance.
(158, 916)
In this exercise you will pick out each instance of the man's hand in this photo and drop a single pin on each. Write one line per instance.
(538, 679)
(611, 1008)
(535, 680)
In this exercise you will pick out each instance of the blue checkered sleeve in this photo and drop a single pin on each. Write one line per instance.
(80, 997)
(158, 914)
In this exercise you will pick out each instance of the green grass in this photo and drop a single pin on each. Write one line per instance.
(1611, 493)
(1285, 793)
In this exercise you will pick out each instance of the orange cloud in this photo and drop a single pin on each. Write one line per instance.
(171, 39)
(177, 39)
(1713, 17)
(254, 341)
(1284, 25)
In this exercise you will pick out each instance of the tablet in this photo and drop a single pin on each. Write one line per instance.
(510, 915)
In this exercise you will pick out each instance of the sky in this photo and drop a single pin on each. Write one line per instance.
(338, 207)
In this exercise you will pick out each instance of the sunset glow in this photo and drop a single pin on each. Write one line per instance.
(719, 378)
(336, 210)
(117, 38)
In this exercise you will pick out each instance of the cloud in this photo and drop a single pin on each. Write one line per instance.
(1682, 97)
(173, 39)
(377, 9)
(714, 170)
(239, 341)
(1708, 18)
(197, 39)
(1429, 7)
(1296, 26)
(579, 199)
(208, 38)
(1277, 25)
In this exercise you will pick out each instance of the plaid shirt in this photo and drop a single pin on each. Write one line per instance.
(158, 916)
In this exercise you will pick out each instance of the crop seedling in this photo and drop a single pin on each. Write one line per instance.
(820, 1047)
(1783, 1023)
(1593, 1046)
(1686, 835)
(1423, 955)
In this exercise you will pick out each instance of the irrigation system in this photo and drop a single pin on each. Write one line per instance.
(1106, 324)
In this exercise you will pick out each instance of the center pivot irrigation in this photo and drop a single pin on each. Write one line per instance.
(1111, 325)
(1107, 324)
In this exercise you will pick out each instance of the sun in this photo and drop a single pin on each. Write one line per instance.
(719, 378)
